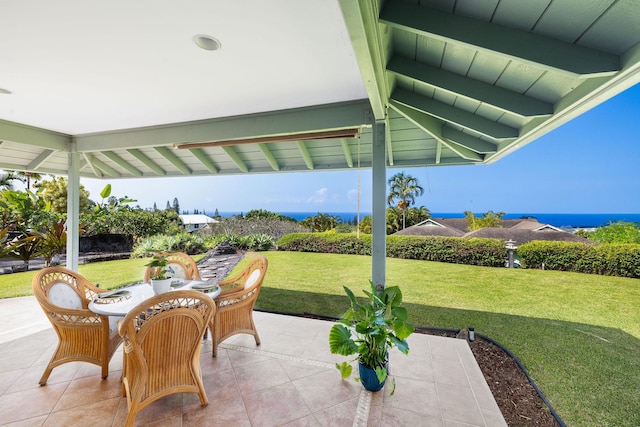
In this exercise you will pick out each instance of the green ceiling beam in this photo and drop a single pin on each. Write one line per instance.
(147, 161)
(454, 115)
(200, 154)
(533, 48)
(232, 153)
(471, 142)
(284, 122)
(105, 167)
(34, 137)
(434, 127)
(347, 152)
(361, 18)
(458, 85)
(269, 157)
(173, 159)
(305, 154)
(89, 158)
(122, 163)
(39, 160)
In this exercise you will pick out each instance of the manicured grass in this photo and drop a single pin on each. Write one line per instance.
(578, 335)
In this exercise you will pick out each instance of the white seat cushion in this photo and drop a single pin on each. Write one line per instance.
(178, 271)
(62, 295)
(252, 279)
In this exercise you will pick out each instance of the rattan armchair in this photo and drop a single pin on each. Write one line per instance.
(183, 265)
(162, 338)
(235, 304)
(83, 336)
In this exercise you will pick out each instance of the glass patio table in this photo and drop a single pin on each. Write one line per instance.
(120, 301)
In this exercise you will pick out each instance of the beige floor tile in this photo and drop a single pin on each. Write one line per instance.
(326, 389)
(274, 406)
(288, 380)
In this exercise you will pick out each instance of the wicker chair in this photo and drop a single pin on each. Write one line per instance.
(83, 336)
(235, 304)
(162, 338)
(182, 264)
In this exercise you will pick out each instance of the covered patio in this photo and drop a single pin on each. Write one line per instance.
(288, 380)
(121, 89)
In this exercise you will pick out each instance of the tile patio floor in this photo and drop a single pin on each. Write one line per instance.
(288, 380)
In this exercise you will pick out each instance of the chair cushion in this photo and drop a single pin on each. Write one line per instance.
(63, 295)
(252, 279)
(178, 271)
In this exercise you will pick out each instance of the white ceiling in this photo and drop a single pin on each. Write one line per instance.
(89, 66)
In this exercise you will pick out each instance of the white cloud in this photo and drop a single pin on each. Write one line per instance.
(319, 196)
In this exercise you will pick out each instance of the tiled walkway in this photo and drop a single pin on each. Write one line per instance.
(288, 380)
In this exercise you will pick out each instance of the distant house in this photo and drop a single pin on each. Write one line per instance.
(196, 222)
(521, 231)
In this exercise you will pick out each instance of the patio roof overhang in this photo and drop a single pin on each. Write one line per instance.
(299, 86)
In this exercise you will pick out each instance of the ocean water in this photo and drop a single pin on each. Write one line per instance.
(556, 219)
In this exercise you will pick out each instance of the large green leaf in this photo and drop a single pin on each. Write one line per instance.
(340, 341)
(402, 329)
(106, 191)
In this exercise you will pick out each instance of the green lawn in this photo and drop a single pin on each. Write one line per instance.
(578, 335)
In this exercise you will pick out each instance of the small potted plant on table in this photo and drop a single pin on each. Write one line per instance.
(161, 275)
(369, 330)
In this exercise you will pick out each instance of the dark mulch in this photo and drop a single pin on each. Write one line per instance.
(518, 401)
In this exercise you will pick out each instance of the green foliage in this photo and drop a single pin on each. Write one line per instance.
(25, 248)
(488, 219)
(611, 259)
(180, 242)
(112, 203)
(372, 328)
(159, 269)
(54, 192)
(257, 223)
(617, 232)
(404, 189)
(474, 251)
(394, 218)
(53, 240)
(136, 223)
(252, 242)
(265, 214)
(321, 222)
(24, 211)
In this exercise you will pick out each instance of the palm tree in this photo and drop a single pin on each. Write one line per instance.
(403, 188)
(6, 180)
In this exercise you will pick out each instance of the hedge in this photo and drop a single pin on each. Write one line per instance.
(474, 251)
(606, 259)
(611, 259)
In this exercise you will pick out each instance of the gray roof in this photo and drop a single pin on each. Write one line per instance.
(519, 230)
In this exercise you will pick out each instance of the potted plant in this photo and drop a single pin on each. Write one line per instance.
(369, 330)
(161, 274)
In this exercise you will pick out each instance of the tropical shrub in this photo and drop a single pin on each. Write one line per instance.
(259, 223)
(617, 232)
(321, 222)
(613, 259)
(486, 252)
(136, 223)
(180, 242)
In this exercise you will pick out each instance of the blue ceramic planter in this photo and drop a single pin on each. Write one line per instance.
(369, 379)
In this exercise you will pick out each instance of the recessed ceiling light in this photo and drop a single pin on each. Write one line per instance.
(5, 91)
(206, 42)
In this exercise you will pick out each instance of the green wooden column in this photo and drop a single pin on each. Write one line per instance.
(379, 204)
(73, 209)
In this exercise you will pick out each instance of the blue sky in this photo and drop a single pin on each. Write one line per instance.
(589, 165)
